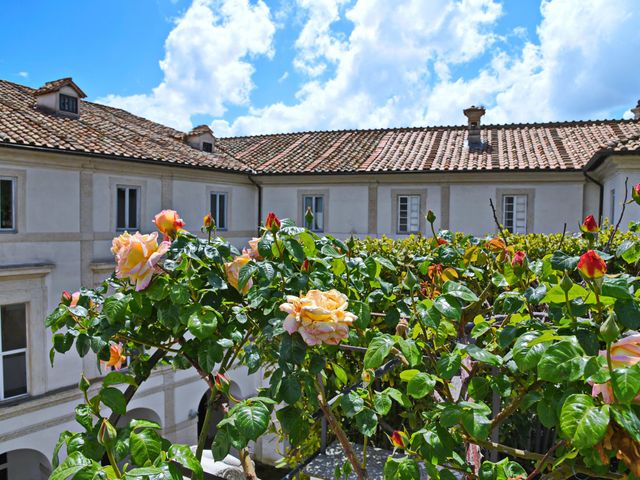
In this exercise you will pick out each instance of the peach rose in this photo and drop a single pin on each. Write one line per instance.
(232, 269)
(137, 256)
(320, 317)
(116, 358)
(169, 223)
(624, 353)
(252, 251)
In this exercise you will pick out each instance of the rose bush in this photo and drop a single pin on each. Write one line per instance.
(446, 350)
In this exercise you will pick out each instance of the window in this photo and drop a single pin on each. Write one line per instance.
(408, 213)
(207, 146)
(4, 474)
(514, 213)
(13, 350)
(219, 209)
(7, 203)
(316, 203)
(612, 207)
(127, 208)
(68, 103)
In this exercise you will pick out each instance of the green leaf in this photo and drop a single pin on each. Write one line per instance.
(83, 344)
(449, 365)
(616, 287)
(351, 403)
(626, 383)
(367, 422)
(114, 399)
(385, 263)
(340, 373)
(292, 348)
(216, 282)
(290, 389)
(378, 350)
(202, 324)
(629, 251)
(482, 355)
(73, 464)
(117, 378)
(179, 294)
(562, 361)
(561, 261)
(145, 447)
(185, 457)
(582, 421)
(421, 385)
(448, 306)
(401, 469)
(627, 418)
(525, 356)
(294, 424)
(382, 403)
(398, 396)
(221, 444)
(115, 308)
(455, 289)
(294, 248)
(476, 424)
(252, 419)
(628, 313)
(245, 274)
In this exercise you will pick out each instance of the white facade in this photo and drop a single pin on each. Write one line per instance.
(65, 219)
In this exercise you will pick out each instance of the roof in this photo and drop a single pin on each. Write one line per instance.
(111, 132)
(561, 146)
(100, 130)
(56, 85)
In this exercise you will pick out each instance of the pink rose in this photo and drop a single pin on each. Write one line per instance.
(320, 317)
(169, 223)
(252, 251)
(137, 256)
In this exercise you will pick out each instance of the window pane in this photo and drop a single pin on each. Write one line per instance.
(214, 208)
(319, 213)
(133, 208)
(14, 327)
(414, 213)
(6, 203)
(207, 146)
(120, 209)
(14, 371)
(308, 201)
(222, 201)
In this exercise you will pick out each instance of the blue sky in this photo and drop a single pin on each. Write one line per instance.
(253, 66)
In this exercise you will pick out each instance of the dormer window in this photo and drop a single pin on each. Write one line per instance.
(207, 147)
(68, 103)
(201, 138)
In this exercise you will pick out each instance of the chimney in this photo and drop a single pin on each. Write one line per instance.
(474, 114)
(636, 111)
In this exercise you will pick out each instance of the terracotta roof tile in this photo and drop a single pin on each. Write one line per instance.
(100, 130)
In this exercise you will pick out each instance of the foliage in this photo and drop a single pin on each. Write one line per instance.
(431, 332)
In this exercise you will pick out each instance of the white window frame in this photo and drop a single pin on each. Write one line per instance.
(14, 352)
(216, 214)
(409, 197)
(14, 185)
(314, 197)
(514, 227)
(127, 188)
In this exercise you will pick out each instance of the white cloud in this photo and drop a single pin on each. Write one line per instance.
(23, 74)
(206, 64)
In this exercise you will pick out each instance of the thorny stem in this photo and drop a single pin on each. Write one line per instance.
(206, 425)
(342, 437)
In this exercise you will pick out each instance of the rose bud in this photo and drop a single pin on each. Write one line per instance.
(402, 328)
(441, 241)
(635, 193)
(589, 225)
(107, 434)
(305, 265)
(566, 283)
(84, 384)
(368, 376)
(272, 223)
(207, 223)
(431, 217)
(70, 299)
(592, 266)
(169, 223)
(518, 259)
(222, 382)
(609, 330)
(399, 439)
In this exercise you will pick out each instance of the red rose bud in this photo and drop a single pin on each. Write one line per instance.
(222, 383)
(207, 222)
(592, 266)
(107, 434)
(272, 223)
(518, 259)
(442, 241)
(635, 193)
(589, 225)
(399, 439)
(66, 297)
(305, 265)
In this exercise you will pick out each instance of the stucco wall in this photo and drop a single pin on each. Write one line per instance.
(613, 175)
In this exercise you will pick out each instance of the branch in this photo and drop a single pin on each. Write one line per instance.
(624, 206)
(495, 219)
(564, 232)
(544, 460)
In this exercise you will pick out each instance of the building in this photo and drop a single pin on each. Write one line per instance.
(74, 173)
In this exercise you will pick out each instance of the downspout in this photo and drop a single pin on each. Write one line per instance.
(601, 188)
(259, 187)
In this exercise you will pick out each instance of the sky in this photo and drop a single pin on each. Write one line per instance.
(266, 66)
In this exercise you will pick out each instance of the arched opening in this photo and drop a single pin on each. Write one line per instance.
(24, 464)
(218, 414)
(139, 414)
